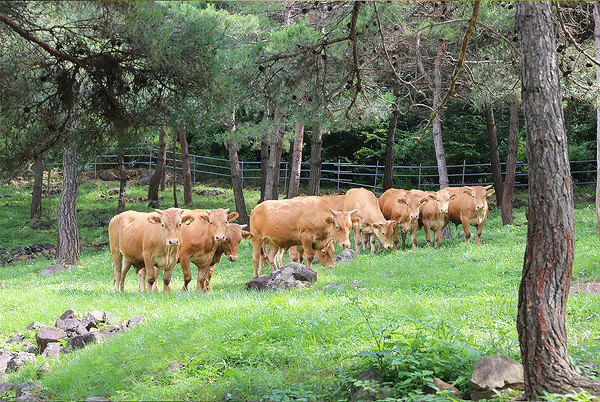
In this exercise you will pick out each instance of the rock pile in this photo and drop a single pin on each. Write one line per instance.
(26, 253)
(292, 275)
(72, 331)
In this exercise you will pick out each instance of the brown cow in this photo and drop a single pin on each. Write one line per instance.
(403, 207)
(200, 241)
(229, 248)
(372, 220)
(433, 213)
(470, 207)
(307, 221)
(146, 240)
(275, 255)
(335, 200)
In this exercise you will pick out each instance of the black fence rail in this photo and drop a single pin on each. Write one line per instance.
(335, 175)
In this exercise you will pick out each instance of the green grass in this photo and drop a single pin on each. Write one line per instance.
(273, 346)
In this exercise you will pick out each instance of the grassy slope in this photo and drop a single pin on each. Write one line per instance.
(299, 342)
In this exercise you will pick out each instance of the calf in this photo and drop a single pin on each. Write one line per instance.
(146, 240)
(403, 207)
(432, 214)
(470, 207)
(372, 221)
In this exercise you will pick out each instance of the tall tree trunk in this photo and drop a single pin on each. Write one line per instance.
(388, 173)
(38, 184)
(296, 161)
(159, 172)
(67, 249)
(236, 181)
(175, 203)
(48, 188)
(316, 145)
(511, 164)
(548, 262)
(122, 180)
(490, 123)
(274, 161)
(264, 162)
(187, 171)
(597, 46)
(440, 155)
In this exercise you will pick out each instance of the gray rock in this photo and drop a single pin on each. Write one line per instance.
(40, 224)
(19, 360)
(90, 321)
(345, 255)
(5, 357)
(81, 329)
(113, 191)
(70, 313)
(33, 326)
(52, 269)
(108, 175)
(80, 341)
(5, 387)
(369, 387)
(43, 370)
(69, 324)
(388, 273)
(48, 335)
(355, 283)
(135, 321)
(290, 276)
(96, 315)
(460, 234)
(333, 286)
(28, 387)
(53, 349)
(493, 374)
(111, 328)
(16, 339)
(145, 179)
(109, 318)
(174, 367)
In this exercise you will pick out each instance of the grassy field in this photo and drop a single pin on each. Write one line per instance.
(442, 307)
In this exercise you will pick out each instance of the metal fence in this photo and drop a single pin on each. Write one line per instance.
(336, 175)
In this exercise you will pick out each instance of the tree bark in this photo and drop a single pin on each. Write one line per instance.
(597, 46)
(508, 188)
(175, 203)
(316, 145)
(187, 171)
(296, 161)
(388, 172)
(236, 181)
(548, 261)
(440, 155)
(274, 161)
(122, 180)
(67, 249)
(490, 123)
(264, 162)
(38, 184)
(159, 172)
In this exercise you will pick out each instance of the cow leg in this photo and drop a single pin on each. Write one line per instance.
(117, 267)
(357, 239)
(279, 257)
(309, 252)
(427, 233)
(404, 239)
(123, 269)
(413, 235)
(167, 286)
(202, 279)
(151, 275)
(209, 276)
(257, 254)
(479, 230)
(372, 241)
(396, 239)
(466, 228)
(141, 272)
(184, 261)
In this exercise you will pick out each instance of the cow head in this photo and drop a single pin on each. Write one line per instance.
(171, 220)
(218, 220)
(442, 199)
(479, 195)
(340, 224)
(413, 201)
(384, 231)
(325, 256)
(235, 234)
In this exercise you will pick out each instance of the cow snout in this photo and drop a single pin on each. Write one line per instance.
(478, 207)
(220, 239)
(345, 244)
(444, 211)
(172, 242)
(414, 217)
(388, 247)
(232, 258)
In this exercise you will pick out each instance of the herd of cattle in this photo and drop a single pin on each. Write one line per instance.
(307, 227)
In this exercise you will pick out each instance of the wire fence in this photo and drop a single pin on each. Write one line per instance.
(335, 175)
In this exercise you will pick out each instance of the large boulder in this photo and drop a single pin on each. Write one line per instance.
(5, 357)
(108, 175)
(345, 255)
(493, 374)
(80, 341)
(19, 360)
(292, 275)
(48, 335)
(52, 269)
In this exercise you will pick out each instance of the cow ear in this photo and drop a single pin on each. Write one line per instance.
(424, 201)
(433, 197)
(205, 217)
(329, 220)
(401, 200)
(153, 218)
(376, 224)
(490, 192)
(355, 220)
(232, 216)
(187, 219)
(247, 235)
(453, 196)
(468, 192)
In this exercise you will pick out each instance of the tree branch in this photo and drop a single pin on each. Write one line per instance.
(461, 59)
(303, 50)
(354, 39)
(570, 37)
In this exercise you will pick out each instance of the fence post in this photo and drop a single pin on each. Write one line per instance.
(242, 169)
(338, 175)
(376, 173)
(285, 177)
(150, 160)
(95, 167)
(195, 169)
(419, 186)
(463, 173)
